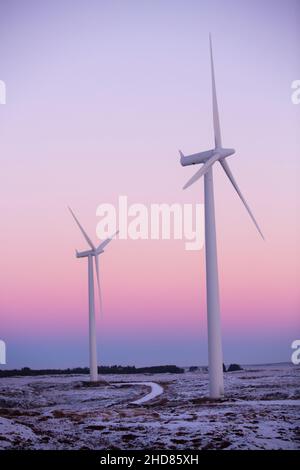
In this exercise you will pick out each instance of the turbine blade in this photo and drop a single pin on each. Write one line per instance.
(234, 184)
(204, 169)
(216, 119)
(105, 242)
(82, 230)
(98, 284)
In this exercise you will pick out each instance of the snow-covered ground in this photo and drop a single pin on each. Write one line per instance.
(261, 411)
(156, 390)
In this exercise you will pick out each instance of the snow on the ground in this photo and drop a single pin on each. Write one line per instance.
(261, 411)
(156, 390)
(12, 432)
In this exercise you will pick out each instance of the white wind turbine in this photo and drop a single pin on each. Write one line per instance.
(208, 158)
(93, 252)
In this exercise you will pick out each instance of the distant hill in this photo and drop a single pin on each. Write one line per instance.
(26, 371)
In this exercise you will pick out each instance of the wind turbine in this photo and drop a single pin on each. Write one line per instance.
(209, 158)
(94, 252)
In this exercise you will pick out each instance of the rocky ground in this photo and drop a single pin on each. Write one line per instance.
(261, 411)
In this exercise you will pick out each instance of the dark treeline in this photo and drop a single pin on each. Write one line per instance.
(26, 371)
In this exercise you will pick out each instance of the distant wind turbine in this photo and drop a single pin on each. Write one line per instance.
(208, 158)
(93, 252)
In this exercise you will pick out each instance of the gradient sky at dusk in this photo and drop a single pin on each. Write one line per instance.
(100, 97)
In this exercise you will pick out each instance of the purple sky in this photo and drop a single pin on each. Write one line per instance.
(100, 97)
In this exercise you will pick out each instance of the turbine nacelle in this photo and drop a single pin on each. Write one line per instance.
(84, 254)
(203, 157)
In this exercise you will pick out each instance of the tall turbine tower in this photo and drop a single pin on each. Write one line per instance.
(90, 254)
(208, 158)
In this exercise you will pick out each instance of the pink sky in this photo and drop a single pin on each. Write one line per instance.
(99, 99)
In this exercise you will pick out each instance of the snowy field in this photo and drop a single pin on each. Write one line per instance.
(261, 411)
